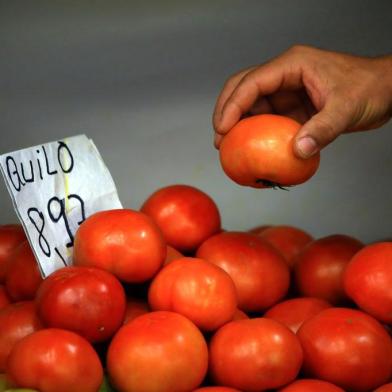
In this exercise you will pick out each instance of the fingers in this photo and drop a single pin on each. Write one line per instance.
(227, 90)
(281, 73)
(323, 128)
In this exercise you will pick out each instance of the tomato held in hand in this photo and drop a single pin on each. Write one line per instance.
(55, 360)
(17, 320)
(158, 351)
(294, 312)
(288, 240)
(348, 348)
(319, 268)
(368, 280)
(124, 242)
(22, 277)
(258, 270)
(88, 301)
(309, 385)
(258, 152)
(186, 215)
(197, 289)
(254, 355)
(10, 237)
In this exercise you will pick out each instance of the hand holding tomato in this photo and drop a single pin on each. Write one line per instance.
(329, 92)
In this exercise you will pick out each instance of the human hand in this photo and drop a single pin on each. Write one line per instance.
(328, 92)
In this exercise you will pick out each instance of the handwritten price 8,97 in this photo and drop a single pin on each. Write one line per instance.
(56, 212)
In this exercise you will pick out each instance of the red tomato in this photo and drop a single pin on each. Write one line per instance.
(384, 388)
(135, 308)
(294, 312)
(239, 315)
(17, 320)
(88, 301)
(259, 271)
(10, 237)
(158, 351)
(287, 240)
(55, 360)
(320, 267)
(368, 280)
(348, 348)
(172, 254)
(186, 215)
(125, 242)
(4, 298)
(258, 152)
(196, 289)
(22, 277)
(254, 355)
(216, 389)
(308, 385)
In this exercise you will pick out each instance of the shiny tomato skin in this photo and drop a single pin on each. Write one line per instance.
(158, 351)
(288, 240)
(254, 355)
(186, 215)
(135, 308)
(384, 388)
(23, 276)
(309, 385)
(88, 301)
(259, 272)
(55, 360)
(17, 320)
(320, 266)
(124, 242)
(10, 237)
(347, 348)
(294, 312)
(368, 280)
(197, 289)
(4, 298)
(258, 152)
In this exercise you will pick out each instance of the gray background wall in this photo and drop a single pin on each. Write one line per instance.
(141, 78)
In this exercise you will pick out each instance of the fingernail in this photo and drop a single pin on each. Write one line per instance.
(217, 140)
(306, 146)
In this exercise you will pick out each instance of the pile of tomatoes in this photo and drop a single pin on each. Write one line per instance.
(164, 300)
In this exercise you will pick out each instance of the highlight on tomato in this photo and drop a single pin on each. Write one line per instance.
(197, 289)
(124, 242)
(55, 360)
(348, 348)
(295, 311)
(88, 301)
(320, 266)
(288, 240)
(254, 355)
(368, 280)
(158, 351)
(258, 152)
(186, 215)
(22, 275)
(17, 320)
(260, 273)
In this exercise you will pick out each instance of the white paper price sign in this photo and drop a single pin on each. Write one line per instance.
(54, 188)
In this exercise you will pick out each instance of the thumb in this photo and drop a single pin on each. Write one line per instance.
(322, 129)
